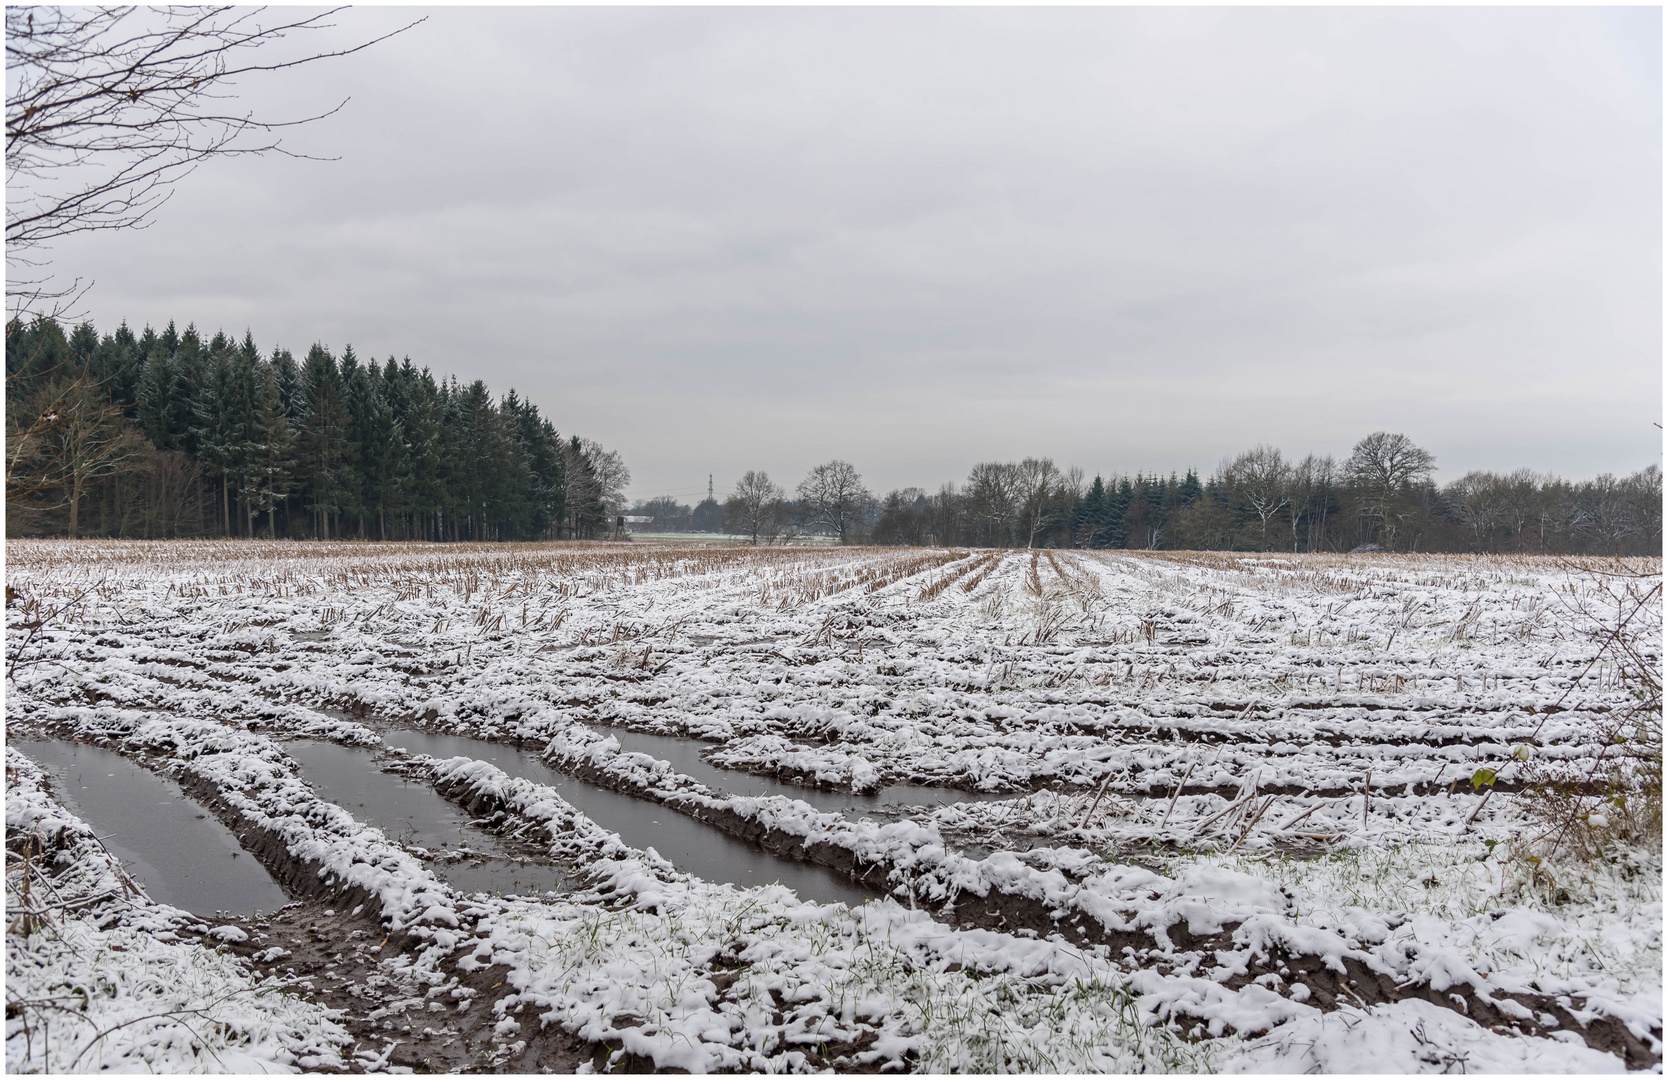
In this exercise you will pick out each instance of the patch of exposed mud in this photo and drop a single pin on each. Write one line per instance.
(399, 1016)
(331, 946)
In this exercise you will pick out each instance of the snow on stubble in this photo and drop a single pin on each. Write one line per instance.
(1089, 685)
(106, 979)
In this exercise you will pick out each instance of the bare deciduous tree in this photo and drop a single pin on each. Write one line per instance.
(1262, 478)
(1039, 483)
(71, 437)
(174, 494)
(1614, 511)
(1478, 503)
(1383, 462)
(833, 495)
(30, 428)
(754, 505)
(1311, 491)
(992, 497)
(945, 518)
(1644, 493)
(1383, 467)
(611, 474)
(108, 107)
(1523, 504)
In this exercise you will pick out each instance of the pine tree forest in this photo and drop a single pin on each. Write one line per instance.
(165, 435)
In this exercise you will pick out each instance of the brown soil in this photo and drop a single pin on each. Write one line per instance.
(440, 1022)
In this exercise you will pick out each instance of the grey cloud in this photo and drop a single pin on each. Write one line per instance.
(917, 238)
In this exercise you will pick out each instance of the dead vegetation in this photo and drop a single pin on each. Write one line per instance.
(1616, 799)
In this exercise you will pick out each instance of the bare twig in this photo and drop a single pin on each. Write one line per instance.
(1177, 795)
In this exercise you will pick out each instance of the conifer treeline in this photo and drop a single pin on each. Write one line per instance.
(163, 434)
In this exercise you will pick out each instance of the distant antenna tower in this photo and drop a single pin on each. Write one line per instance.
(709, 487)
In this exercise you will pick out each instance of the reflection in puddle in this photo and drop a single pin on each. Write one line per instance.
(413, 813)
(684, 755)
(182, 855)
(688, 844)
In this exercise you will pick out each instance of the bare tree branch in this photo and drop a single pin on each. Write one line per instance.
(108, 107)
(833, 495)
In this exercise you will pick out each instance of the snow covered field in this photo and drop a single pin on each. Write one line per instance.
(1261, 813)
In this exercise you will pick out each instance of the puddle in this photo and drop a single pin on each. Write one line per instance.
(181, 854)
(414, 813)
(685, 756)
(688, 844)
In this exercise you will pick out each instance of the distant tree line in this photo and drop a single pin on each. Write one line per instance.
(1381, 497)
(166, 435)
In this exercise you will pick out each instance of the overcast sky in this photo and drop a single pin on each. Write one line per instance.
(1127, 239)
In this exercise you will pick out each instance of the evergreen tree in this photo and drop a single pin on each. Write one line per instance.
(357, 395)
(391, 464)
(272, 461)
(243, 400)
(41, 349)
(542, 448)
(540, 453)
(292, 392)
(1086, 520)
(220, 423)
(1191, 489)
(117, 365)
(426, 448)
(82, 351)
(1114, 530)
(191, 363)
(585, 511)
(325, 450)
(164, 397)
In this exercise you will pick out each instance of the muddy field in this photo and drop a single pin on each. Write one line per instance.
(710, 808)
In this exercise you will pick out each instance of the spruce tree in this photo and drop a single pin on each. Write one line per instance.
(217, 427)
(1191, 489)
(244, 400)
(325, 450)
(1115, 528)
(117, 365)
(272, 462)
(395, 476)
(1086, 521)
(165, 395)
(356, 394)
(424, 430)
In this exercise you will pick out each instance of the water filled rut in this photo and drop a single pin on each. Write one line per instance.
(469, 858)
(690, 845)
(175, 848)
